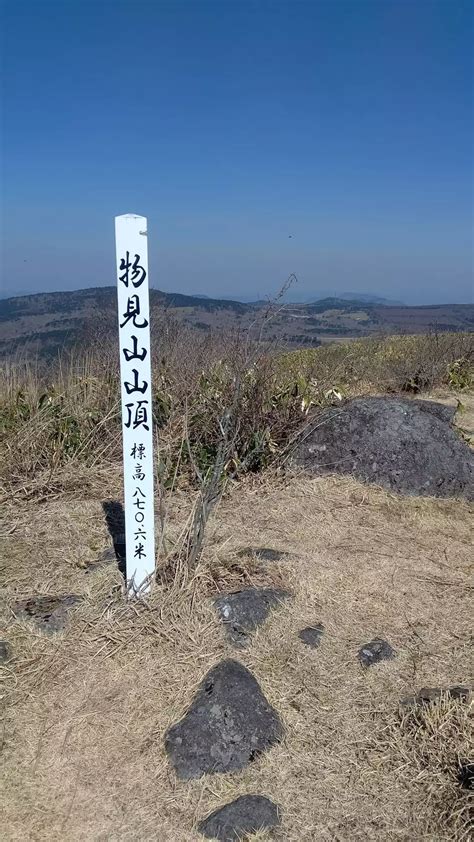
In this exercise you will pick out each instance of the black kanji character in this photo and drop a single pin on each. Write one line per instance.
(134, 355)
(141, 415)
(140, 551)
(140, 533)
(138, 450)
(139, 473)
(134, 387)
(133, 310)
(137, 271)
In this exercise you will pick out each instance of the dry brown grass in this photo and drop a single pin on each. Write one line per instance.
(68, 412)
(433, 741)
(86, 709)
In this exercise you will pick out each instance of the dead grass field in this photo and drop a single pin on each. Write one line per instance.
(86, 709)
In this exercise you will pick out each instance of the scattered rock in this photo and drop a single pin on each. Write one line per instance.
(407, 446)
(49, 613)
(242, 612)
(428, 695)
(106, 557)
(245, 815)
(459, 692)
(375, 651)
(229, 723)
(5, 651)
(312, 635)
(465, 774)
(264, 553)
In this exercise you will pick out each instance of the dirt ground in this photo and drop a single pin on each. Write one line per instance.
(86, 709)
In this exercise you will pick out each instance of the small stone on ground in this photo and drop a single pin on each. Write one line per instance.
(229, 723)
(375, 651)
(264, 553)
(312, 635)
(466, 774)
(242, 612)
(5, 651)
(245, 815)
(50, 613)
(428, 695)
(107, 557)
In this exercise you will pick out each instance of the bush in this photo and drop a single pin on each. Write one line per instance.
(202, 383)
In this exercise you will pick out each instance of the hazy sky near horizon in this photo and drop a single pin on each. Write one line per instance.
(346, 124)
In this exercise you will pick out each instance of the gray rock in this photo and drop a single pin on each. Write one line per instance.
(106, 558)
(375, 651)
(245, 815)
(264, 553)
(406, 446)
(5, 651)
(49, 613)
(242, 612)
(459, 692)
(428, 695)
(312, 635)
(442, 411)
(229, 723)
(466, 774)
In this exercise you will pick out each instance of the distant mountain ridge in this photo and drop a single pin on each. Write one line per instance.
(45, 302)
(45, 322)
(368, 298)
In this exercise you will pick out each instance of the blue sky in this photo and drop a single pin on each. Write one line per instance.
(346, 124)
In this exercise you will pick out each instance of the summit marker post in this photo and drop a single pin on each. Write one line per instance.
(135, 376)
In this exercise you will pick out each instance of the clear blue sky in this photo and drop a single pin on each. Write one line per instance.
(346, 124)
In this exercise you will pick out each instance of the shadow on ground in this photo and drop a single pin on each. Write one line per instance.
(115, 520)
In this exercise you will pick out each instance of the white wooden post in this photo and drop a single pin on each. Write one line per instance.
(135, 375)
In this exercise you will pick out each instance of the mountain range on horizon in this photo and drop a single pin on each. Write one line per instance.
(44, 323)
(367, 298)
(293, 296)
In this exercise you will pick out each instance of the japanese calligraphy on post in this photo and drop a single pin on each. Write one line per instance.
(135, 373)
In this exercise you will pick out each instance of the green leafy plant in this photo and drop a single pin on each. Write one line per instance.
(460, 374)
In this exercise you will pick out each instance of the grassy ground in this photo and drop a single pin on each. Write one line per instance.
(86, 709)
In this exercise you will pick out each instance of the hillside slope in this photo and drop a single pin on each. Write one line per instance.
(44, 323)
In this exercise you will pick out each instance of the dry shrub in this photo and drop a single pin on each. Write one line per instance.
(48, 419)
(395, 363)
(70, 410)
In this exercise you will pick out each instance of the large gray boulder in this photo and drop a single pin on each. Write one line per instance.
(407, 446)
(229, 723)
